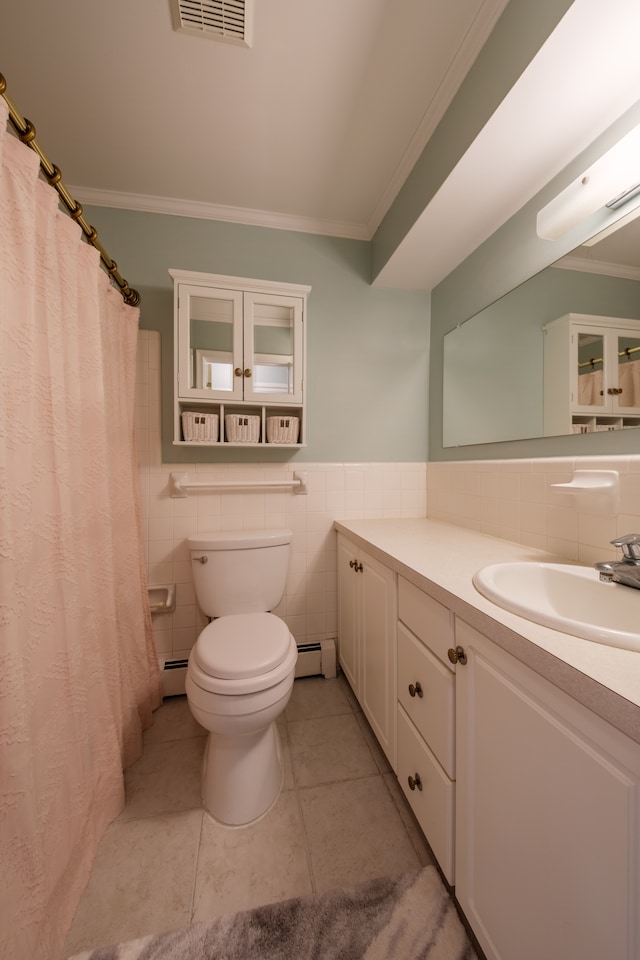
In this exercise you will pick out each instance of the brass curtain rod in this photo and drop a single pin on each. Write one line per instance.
(621, 353)
(27, 134)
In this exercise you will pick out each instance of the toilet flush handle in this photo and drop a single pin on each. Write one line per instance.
(203, 559)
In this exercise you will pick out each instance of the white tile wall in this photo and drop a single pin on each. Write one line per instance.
(335, 489)
(513, 500)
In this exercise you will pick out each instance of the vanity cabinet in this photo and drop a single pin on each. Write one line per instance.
(591, 374)
(239, 358)
(367, 612)
(529, 800)
(547, 816)
(426, 718)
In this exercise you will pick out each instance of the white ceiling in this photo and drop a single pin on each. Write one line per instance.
(315, 126)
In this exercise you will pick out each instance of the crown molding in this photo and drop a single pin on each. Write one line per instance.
(212, 211)
(585, 265)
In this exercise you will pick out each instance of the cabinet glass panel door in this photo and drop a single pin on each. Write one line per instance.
(628, 373)
(210, 348)
(591, 384)
(273, 348)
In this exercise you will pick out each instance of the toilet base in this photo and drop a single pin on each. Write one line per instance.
(242, 775)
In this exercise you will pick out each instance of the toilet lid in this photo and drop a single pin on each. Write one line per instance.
(242, 645)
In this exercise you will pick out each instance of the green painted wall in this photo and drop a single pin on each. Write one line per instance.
(367, 349)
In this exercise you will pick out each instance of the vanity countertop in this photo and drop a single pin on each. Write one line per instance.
(441, 559)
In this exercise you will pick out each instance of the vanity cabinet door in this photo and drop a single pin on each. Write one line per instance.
(378, 618)
(348, 617)
(547, 816)
(367, 611)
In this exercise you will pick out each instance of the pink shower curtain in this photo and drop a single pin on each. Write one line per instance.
(78, 674)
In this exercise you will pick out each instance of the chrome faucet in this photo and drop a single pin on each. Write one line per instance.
(627, 570)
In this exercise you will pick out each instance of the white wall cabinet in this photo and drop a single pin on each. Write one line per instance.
(239, 357)
(367, 611)
(548, 816)
(591, 374)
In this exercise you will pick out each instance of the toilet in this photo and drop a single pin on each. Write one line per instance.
(241, 669)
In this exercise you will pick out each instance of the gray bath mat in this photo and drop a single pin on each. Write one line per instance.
(407, 917)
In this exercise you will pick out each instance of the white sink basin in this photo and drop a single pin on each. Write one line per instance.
(568, 598)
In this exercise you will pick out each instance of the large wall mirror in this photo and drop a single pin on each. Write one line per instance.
(494, 363)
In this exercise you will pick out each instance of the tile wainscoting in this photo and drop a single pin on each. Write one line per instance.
(514, 500)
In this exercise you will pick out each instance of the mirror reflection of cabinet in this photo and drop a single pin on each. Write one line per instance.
(239, 352)
(591, 374)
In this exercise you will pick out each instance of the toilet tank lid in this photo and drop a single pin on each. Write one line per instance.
(239, 539)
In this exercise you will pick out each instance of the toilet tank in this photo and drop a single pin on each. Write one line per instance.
(239, 572)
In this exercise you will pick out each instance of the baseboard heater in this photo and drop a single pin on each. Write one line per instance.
(314, 659)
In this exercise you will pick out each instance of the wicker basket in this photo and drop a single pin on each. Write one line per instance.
(240, 428)
(200, 427)
(282, 429)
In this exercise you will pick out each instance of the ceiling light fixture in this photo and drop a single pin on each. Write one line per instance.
(613, 181)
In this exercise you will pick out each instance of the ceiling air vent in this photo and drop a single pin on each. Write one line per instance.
(228, 20)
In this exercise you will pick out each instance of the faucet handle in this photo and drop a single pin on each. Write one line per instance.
(630, 544)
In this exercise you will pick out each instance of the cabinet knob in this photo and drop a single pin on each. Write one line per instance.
(457, 656)
(356, 566)
(415, 782)
(238, 371)
(415, 690)
(247, 372)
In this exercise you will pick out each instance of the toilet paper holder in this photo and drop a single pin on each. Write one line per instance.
(162, 598)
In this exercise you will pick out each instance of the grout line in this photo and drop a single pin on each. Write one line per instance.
(305, 835)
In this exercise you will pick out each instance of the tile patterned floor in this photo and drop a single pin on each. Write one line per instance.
(341, 818)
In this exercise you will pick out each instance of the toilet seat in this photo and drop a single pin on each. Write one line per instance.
(242, 653)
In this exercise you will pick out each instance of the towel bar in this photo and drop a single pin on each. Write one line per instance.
(180, 485)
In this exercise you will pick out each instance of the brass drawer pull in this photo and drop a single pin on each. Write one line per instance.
(415, 689)
(457, 656)
(415, 782)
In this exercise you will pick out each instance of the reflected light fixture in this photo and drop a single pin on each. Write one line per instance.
(613, 181)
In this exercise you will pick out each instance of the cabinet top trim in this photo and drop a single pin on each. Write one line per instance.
(589, 319)
(241, 283)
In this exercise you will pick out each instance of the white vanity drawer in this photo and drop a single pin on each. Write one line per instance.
(429, 620)
(432, 707)
(434, 804)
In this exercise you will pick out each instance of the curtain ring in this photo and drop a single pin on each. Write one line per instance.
(29, 132)
(55, 176)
